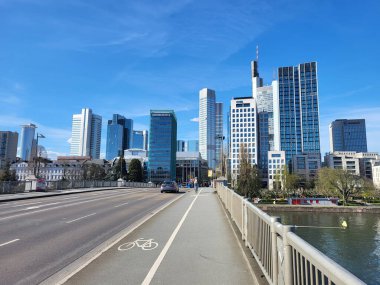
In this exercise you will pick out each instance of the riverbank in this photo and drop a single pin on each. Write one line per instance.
(325, 209)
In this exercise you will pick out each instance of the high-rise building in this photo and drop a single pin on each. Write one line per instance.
(219, 132)
(27, 142)
(192, 146)
(86, 134)
(296, 111)
(119, 136)
(140, 140)
(181, 146)
(243, 121)
(207, 126)
(162, 146)
(348, 135)
(8, 147)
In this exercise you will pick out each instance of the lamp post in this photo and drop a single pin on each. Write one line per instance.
(38, 154)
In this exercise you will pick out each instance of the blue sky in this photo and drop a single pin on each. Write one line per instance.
(127, 57)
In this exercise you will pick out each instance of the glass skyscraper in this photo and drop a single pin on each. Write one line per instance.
(119, 136)
(162, 146)
(86, 134)
(8, 147)
(219, 132)
(348, 135)
(207, 126)
(27, 142)
(140, 139)
(296, 111)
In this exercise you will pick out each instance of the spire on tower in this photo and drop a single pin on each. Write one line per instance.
(257, 52)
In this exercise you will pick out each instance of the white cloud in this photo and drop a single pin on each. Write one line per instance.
(54, 154)
(196, 120)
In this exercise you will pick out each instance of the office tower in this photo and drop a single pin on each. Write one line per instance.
(243, 126)
(181, 146)
(296, 111)
(207, 126)
(162, 145)
(348, 135)
(86, 134)
(140, 139)
(219, 132)
(192, 146)
(27, 142)
(256, 80)
(8, 147)
(119, 136)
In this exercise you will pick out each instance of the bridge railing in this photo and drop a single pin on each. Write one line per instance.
(284, 257)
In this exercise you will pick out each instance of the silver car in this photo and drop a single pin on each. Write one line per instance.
(169, 186)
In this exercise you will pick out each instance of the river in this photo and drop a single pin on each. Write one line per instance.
(356, 248)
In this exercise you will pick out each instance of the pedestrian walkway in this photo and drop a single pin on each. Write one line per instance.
(190, 242)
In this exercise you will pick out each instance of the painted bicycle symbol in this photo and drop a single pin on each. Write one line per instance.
(144, 244)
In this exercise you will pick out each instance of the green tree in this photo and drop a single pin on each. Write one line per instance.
(248, 182)
(135, 171)
(339, 182)
(93, 171)
(291, 182)
(118, 170)
(6, 174)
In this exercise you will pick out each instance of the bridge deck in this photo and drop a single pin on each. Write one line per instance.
(190, 242)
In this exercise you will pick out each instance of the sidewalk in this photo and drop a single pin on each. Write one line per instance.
(190, 242)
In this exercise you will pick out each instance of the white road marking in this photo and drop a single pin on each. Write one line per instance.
(70, 198)
(121, 205)
(9, 242)
(62, 206)
(25, 204)
(80, 218)
(159, 259)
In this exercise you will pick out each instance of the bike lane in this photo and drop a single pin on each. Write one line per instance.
(190, 242)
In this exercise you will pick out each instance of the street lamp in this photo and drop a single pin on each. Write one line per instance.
(38, 154)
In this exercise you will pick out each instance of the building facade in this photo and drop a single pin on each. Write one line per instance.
(243, 126)
(86, 134)
(162, 146)
(207, 126)
(181, 146)
(306, 165)
(296, 111)
(8, 147)
(348, 135)
(119, 136)
(27, 142)
(192, 146)
(140, 139)
(190, 165)
(276, 168)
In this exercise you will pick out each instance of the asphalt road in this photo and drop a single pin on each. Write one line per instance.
(39, 237)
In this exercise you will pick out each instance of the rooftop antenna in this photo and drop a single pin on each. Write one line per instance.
(274, 73)
(257, 53)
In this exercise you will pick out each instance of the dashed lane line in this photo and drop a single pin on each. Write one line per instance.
(9, 242)
(69, 222)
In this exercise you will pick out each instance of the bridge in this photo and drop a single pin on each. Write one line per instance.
(136, 235)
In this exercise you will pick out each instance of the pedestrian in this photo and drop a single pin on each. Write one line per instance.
(196, 185)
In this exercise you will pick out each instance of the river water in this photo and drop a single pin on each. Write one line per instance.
(356, 248)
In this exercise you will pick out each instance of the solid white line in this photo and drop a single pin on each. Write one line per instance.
(159, 259)
(80, 218)
(25, 204)
(121, 205)
(9, 242)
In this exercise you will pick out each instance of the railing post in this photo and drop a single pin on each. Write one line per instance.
(245, 222)
(288, 264)
(274, 249)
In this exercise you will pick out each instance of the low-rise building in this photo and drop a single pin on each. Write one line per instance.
(190, 165)
(376, 174)
(306, 165)
(276, 167)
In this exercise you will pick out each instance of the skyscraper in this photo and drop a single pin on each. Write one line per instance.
(296, 111)
(27, 142)
(243, 121)
(8, 147)
(119, 136)
(162, 146)
(348, 135)
(192, 145)
(140, 139)
(86, 134)
(219, 132)
(181, 146)
(207, 126)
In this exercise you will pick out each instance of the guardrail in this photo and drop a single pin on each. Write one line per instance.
(284, 257)
(11, 187)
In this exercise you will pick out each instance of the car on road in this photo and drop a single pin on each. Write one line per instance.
(169, 186)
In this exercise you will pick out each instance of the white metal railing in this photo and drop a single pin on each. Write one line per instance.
(284, 257)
